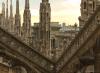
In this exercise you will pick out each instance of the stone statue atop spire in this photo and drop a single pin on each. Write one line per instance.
(26, 33)
(17, 26)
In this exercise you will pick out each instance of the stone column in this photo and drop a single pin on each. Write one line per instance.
(97, 56)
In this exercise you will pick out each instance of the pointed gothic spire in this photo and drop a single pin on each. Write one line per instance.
(11, 20)
(3, 8)
(3, 13)
(26, 4)
(44, 26)
(17, 26)
(17, 6)
(7, 17)
(27, 23)
(11, 9)
(7, 10)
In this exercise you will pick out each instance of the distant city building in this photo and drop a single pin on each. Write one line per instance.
(60, 37)
(64, 37)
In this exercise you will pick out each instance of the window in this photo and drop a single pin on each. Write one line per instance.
(84, 5)
(53, 43)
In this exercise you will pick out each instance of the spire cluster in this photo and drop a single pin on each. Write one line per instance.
(13, 23)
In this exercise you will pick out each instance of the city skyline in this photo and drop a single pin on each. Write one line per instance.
(62, 13)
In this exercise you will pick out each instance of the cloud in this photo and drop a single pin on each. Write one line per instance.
(66, 11)
(34, 12)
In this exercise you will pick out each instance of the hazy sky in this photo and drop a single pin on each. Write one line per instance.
(62, 10)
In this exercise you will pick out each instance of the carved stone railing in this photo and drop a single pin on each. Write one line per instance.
(85, 33)
(18, 46)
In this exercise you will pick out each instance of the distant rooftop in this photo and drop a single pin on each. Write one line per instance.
(53, 24)
(69, 27)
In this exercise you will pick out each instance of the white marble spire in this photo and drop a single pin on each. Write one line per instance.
(17, 26)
